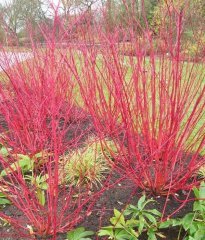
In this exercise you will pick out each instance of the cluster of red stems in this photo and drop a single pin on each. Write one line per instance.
(150, 105)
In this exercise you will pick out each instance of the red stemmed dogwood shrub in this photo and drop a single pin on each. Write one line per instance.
(41, 123)
(30, 90)
(151, 105)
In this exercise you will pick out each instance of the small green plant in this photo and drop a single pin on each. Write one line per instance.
(4, 152)
(85, 166)
(193, 223)
(40, 185)
(141, 220)
(3, 199)
(120, 228)
(25, 163)
(79, 234)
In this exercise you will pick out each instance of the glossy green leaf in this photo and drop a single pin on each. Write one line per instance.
(187, 221)
(150, 217)
(132, 222)
(4, 201)
(106, 231)
(154, 211)
(170, 223)
(25, 163)
(79, 234)
(141, 224)
(151, 235)
(200, 234)
(141, 202)
(118, 218)
(202, 191)
(122, 235)
(131, 209)
(166, 224)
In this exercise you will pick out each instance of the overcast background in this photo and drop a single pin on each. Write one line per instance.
(4, 1)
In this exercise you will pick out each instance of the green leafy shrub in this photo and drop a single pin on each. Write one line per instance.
(141, 220)
(27, 165)
(40, 186)
(193, 223)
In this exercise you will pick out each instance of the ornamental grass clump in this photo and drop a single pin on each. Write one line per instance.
(151, 105)
(87, 165)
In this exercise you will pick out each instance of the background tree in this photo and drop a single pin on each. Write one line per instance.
(10, 17)
(85, 5)
(67, 6)
(18, 15)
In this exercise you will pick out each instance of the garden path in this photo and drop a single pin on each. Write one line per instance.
(8, 59)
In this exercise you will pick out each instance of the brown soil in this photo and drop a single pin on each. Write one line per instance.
(118, 196)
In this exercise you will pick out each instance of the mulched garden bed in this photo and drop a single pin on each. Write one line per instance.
(118, 196)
